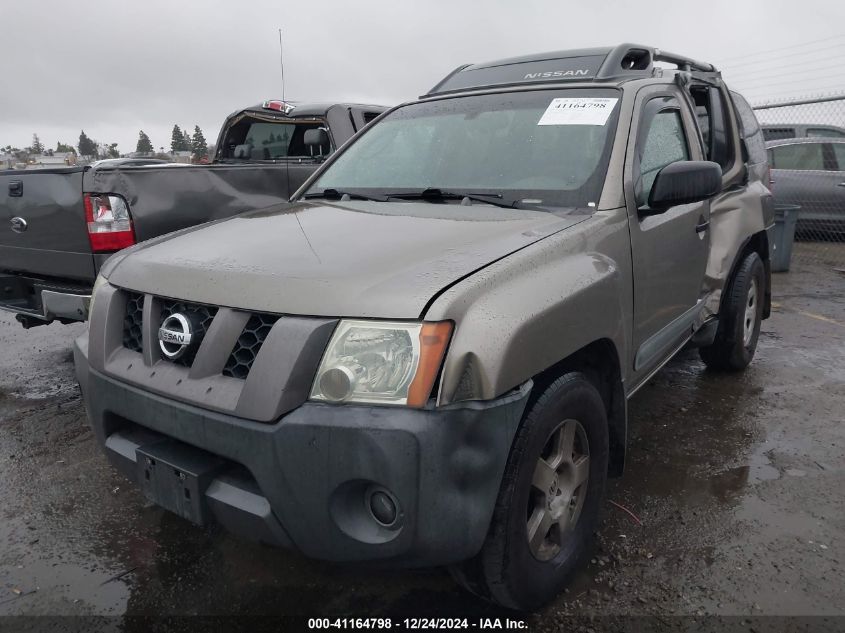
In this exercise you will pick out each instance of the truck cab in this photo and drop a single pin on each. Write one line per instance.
(58, 225)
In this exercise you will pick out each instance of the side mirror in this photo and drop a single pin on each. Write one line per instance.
(683, 182)
(316, 139)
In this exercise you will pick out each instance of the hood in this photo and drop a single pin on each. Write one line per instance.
(345, 259)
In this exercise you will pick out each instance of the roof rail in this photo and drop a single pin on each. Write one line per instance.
(624, 61)
(683, 63)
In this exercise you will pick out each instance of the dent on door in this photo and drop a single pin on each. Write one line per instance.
(734, 217)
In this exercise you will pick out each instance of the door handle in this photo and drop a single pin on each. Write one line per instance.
(16, 188)
(702, 226)
(841, 184)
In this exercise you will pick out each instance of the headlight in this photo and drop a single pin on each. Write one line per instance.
(382, 362)
(99, 283)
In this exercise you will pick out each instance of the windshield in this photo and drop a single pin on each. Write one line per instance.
(544, 148)
(252, 140)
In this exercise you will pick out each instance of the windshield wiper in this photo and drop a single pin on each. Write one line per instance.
(334, 194)
(435, 194)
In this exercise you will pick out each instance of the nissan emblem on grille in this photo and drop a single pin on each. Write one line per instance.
(174, 336)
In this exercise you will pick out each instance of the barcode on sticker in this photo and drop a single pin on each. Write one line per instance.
(578, 111)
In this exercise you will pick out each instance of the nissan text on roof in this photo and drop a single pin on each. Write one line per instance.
(424, 359)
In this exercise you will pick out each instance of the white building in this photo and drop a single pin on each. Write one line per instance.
(58, 159)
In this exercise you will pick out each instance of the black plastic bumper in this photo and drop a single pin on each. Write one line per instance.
(306, 480)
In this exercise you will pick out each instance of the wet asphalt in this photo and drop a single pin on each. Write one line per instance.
(735, 486)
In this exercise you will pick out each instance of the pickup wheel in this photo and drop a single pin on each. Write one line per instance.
(549, 500)
(739, 322)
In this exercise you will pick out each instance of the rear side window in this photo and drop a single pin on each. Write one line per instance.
(816, 132)
(713, 123)
(664, 144)
(839, 154)
(778, 133)
(255, 140)
(801, 156)
(749, 130)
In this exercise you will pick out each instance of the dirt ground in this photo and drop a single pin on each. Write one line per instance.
(736, 484)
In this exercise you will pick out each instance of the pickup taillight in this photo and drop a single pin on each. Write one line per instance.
(109, 222)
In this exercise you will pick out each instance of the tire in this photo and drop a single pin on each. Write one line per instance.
(739, 320)
(507, 571)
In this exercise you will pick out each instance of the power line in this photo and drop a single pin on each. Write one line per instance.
(805, 90)
(770, 79)
(763, 97)
(791, 56)
(786, 85)
(784, 48)
(768, 97)
(763, 72)
(799, 102)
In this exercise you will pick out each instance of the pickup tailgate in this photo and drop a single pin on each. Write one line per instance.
(43, 231)
(165, 198)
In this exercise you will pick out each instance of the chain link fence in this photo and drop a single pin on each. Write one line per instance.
(805, 143)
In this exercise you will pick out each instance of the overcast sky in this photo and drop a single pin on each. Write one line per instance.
(113, 68)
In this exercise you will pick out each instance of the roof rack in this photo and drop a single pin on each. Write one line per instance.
(625, 61)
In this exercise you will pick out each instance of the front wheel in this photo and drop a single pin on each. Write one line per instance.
(739, 319)
(549, 501)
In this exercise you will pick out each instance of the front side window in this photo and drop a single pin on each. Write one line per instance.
(502, 145)
(665, 143)
(801, 156)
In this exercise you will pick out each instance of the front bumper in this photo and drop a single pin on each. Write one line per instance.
(304, 480)
(44, 301)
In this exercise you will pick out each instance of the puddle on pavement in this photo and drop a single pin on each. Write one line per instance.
(41, 587)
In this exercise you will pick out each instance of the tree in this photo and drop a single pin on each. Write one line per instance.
(37, 145)
(199, 146)
(144, 145)
(112, 151)
(186, 141)
(62, 147)
(86, 146)
(176, 139)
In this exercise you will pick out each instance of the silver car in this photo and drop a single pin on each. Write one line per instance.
(810, 172)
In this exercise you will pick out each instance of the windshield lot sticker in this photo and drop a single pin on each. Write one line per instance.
(578, 111)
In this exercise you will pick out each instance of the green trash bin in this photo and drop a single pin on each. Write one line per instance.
(786, 215)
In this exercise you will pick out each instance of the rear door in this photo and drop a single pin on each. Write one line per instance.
(803, 174)
(833, 202)
(43, 230)
(669, 249)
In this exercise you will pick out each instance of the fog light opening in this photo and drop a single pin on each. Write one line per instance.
(383, 507)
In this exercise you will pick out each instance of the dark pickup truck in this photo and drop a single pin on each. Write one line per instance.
(58, 226)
